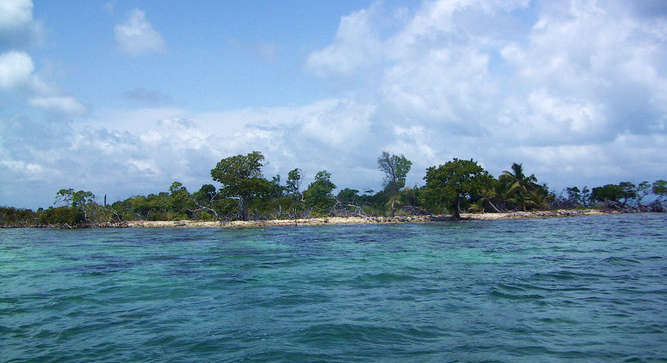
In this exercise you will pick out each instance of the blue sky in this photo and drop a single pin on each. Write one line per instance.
(125, 97)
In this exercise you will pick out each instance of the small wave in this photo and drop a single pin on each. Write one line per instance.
(558, 320)
(97, 268)
(512, 287)
(505, 295)
(565, 275)
(620, 260)
(295, 300)
(333, 334)
(382, 278)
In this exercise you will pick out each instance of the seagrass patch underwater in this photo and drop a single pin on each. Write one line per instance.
(589, 288)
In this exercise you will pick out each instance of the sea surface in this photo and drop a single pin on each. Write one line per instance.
(560, 289)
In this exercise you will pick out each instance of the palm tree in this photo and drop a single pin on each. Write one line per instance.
(539, 199)
(517, 186)
(487, 196)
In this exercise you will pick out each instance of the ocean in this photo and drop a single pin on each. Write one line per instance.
(558, 289)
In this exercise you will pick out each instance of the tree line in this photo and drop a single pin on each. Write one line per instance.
(244, 193)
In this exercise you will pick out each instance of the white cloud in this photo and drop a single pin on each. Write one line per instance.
(150, 148)
(64, 104)
(136, 36)
(575, 90)
(17, 73)
(555, 84)
(15, 69)
(27, 170)
(15, 14)
(356, 45)
(17, 26)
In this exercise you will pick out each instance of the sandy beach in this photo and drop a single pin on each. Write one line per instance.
(360, 220)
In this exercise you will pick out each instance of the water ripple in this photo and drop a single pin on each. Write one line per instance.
(589, 288)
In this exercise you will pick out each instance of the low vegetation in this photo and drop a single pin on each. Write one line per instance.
(243, 193)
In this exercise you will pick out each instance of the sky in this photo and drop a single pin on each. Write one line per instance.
(124, 97)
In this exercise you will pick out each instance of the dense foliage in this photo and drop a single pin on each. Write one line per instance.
(454, 185)
(244, 193)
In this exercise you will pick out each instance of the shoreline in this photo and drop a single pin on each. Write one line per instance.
(321, 221)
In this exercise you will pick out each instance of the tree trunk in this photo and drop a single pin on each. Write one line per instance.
(494, 207)
(243, 209)
(392, 207)
(457, 212)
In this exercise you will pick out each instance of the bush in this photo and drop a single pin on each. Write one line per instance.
(61, 215)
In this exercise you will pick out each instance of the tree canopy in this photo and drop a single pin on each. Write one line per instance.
(660, 188)
(73, 198)
(395, 170)
(318, 196)
(294, 182)
(454, 185)
(241, 177)
(608, 193)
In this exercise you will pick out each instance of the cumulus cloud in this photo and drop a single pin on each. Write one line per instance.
(150, 148)
(17, 74)
(15, 69)
(15, 14)
(356, 45)
(576, 90)
(17, 26)
(555, 84)
(136, 35)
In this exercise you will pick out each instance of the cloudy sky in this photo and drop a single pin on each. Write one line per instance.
(125, 97)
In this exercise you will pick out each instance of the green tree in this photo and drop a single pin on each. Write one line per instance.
(180, 200)
(348, 196)
(62, 215)
(454, 185)
(318, 196)
(574, 196)
(349, 201)
(518, 186)
(294, 182)
(80, 200)
(241, 178)
(276, 190)
(15, 217)
(539, 198)
(395, 169)
(660, 188)
(293, 190)
(205, 195)
(607, 193)
(586, 196)
(74, 198)
(488, 197)
(629, 191)
(409, 196)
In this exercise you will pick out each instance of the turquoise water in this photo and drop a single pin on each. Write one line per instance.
(589, 288)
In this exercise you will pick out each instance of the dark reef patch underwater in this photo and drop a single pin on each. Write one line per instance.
(589, 288)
